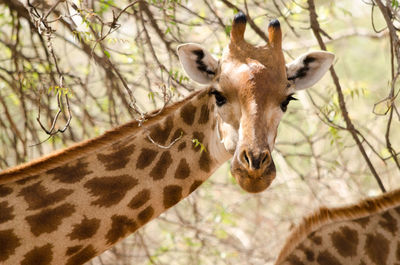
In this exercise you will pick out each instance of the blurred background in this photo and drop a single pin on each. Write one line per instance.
(70, 70)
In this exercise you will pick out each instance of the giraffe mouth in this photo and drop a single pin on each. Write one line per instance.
(253, 181)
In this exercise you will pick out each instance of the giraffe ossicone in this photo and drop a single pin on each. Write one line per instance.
(70, 206)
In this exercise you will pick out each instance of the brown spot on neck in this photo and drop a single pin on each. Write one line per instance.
(4, 191)
(204, 114)
(195, 185)
(345, 241)
(140, 199)
(205, 161)
(70, 173)
(145, 215)
(48, 220)
(72, 250)
(6, 212)
(118, 159)
(326, 258)
(389, 223)
(181, 146)
(39, 256)
(172, 195)
(38, 197)
(82, 256)
(377, 248)
(183, 169)
(110, 190)
(121, 225)
(188, 113)
(160, 135)
(8, 242)
(145, 158)
(85, 229)
(162, 165)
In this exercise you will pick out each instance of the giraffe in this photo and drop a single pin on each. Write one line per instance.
(70, 206)
(366, 233)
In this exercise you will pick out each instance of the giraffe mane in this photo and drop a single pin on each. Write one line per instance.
(80, 149)
(325, 216)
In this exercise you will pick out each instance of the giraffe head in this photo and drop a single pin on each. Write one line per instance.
(252, 88)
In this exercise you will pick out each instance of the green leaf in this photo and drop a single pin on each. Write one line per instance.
(197, 143)
(107, 53)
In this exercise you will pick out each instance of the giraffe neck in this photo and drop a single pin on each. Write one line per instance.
(73, 211)
(366, 233)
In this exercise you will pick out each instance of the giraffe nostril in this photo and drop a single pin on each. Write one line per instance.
(267, 158)
(244, 158)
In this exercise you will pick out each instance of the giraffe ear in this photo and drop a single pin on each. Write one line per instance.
(309, 68)
(198, 63)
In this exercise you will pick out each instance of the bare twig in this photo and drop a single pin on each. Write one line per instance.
(349, 124)
(40, 21)
(395, 53)
(166, 146)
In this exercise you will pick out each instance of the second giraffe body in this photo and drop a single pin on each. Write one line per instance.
(367, 233)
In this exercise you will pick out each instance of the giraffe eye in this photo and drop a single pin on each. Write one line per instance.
(219, 98)
(285, 103)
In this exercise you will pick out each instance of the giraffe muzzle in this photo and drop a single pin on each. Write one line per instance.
(250, 176)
